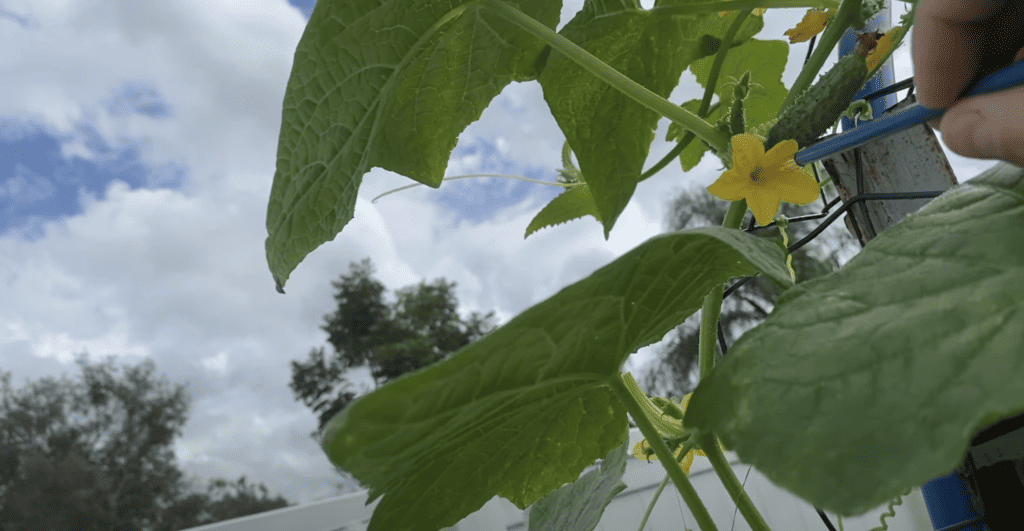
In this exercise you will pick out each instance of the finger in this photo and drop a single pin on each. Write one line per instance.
(936, 123)
(947, 46)
(990, 126)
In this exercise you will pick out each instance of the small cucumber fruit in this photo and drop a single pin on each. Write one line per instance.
(814, 111)
(733, 121)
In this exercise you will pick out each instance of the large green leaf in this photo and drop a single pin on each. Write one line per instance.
(524, 409)
(579, 505)
(873, 379)
(390, 84)
(610, 133)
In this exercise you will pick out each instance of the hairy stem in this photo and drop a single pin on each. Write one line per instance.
(712, 308)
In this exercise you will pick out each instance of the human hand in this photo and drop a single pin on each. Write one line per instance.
(956, 43)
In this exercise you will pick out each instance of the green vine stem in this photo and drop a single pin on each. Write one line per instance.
(848, 10)
(675, 471)
(734, 5)
(713, 301)
(732, 484)
(601, 70)
(708, 330)
(657, 494)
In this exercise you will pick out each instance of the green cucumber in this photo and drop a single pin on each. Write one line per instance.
(736, 120)
(817, 108)
(733, 122)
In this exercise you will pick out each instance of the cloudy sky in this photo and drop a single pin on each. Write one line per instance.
(137, 148)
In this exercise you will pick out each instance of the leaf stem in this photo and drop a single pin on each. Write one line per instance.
(675, 471)
(712, 308)
(829, 38)
(709, 444)
(477, 175)
(601, 70)
(657, 494)
(735, 5)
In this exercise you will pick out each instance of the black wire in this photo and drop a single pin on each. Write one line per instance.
(721, 336)
(895, 87)
(824, 518)
(810, 48)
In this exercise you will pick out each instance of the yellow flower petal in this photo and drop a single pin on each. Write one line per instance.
(781, 154)
(643, 450)
(798, 189)
(731, 186)
(687, 462)
(764, 204)
(812, 24)
(640, 451)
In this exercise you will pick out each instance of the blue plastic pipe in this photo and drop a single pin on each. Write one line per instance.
(949, 503)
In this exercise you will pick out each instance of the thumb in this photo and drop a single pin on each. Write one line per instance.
(990, 126)
(934, 124)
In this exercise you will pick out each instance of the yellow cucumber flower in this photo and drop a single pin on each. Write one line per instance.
(812, 24)
(765, 179)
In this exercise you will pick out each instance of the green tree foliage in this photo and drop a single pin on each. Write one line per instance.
(221, 501)
(673, 371)
(96, 454)
(422, 327)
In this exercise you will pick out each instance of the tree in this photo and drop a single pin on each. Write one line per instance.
(673, 372)
(96, 454)
(421, 328)
(221, 501)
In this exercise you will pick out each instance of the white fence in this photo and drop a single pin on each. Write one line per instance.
(782, 511)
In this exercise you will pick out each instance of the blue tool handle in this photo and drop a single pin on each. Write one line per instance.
(910, 116)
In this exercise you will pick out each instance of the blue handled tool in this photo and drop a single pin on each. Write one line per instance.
(910, 116)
